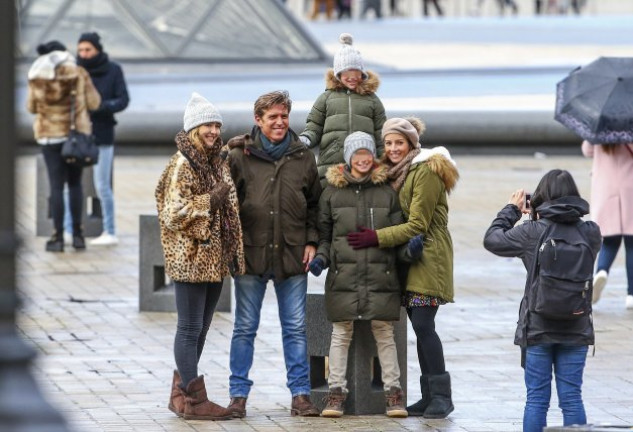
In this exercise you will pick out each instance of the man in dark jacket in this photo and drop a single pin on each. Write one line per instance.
(278, 189)
(107, 77)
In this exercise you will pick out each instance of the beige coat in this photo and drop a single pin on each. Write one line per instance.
(49, 99)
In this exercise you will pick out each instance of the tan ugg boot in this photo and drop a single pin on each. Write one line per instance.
(176, 399)
(198, 407)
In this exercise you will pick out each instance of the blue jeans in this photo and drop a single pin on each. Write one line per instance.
(569, 364)
(102, 178)
(608, 252)
(291, 300)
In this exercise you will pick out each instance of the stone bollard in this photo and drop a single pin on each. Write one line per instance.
(91, 210)
(156, 293)
(364, 382)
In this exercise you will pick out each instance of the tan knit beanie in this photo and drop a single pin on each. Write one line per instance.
(412, 128)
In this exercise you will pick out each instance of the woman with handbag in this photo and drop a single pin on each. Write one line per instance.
(55, 81)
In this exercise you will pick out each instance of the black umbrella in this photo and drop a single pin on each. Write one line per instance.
(596, 101)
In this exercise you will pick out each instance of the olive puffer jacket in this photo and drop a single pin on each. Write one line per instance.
(279, 202)
(361, 284)
(503, 238)
(424, 202)
(338, 112)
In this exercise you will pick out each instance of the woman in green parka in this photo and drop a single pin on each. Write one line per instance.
(423, 179)
(348, 104)
(360, 285)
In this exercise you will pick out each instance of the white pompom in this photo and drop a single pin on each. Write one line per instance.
(346, 38)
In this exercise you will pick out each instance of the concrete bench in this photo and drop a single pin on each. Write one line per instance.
(364, 382)
(91, 210)
(156, 293)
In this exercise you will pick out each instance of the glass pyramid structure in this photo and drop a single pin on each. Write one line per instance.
(166, 30)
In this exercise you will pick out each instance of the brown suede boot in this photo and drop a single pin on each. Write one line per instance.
(394, 403)
(176, 400)
(198, 407)
(237, 406)
(302, 406)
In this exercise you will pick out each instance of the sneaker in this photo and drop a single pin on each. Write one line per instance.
(68, 238)
(395, 405)
(335, 401)
(105, 239)
(55, 244)
(599, 282)
(628, 303)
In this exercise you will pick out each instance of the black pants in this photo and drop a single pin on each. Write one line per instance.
(430, 352)
(195, 303)
(59, 173)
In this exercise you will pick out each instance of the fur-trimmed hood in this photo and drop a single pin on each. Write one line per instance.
(441, 163)
(336, 177)
(368, 86)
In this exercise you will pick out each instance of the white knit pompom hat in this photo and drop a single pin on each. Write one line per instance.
(356, 141)
(348, 57)
(200, 111)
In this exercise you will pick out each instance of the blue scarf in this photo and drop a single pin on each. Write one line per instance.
(275, 151)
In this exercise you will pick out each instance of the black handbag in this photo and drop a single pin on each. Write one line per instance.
(79, 149)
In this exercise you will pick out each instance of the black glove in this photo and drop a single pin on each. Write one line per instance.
(415, 247)
(316, 266)
(218, 195)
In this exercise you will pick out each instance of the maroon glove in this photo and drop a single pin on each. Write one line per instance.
(362, 239)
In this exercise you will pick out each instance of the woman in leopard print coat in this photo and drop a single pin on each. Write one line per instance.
(202, 241)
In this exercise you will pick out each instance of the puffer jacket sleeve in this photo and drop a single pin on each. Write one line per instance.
(325, 225)
(427, 187)
(503, 238)
(312, 194)
(379, 120)
(183, 210)
(316, 120)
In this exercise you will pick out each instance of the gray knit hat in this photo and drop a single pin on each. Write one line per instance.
(356, 141)
(411, 128)
(200, 111)
(348, 57)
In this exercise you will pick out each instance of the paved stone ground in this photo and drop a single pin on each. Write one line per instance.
(108, 367)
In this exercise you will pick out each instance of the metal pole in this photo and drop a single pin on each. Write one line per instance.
(22, 407)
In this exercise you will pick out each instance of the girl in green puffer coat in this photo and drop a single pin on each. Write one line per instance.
(348, 104)
(360, 285)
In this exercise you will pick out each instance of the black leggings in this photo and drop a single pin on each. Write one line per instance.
(59, 172)
(195, 303)
(430, 352)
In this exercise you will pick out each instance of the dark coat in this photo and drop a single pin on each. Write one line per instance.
(107, 77)
(338, 112)
(278, 204)
(505, 239)
(361, 284)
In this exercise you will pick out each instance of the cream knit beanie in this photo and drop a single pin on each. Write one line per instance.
(200, 111)
(348, 57)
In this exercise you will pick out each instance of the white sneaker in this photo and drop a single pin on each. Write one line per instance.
(599, 282)
(105, 239)
(68, 238)
(629, 302)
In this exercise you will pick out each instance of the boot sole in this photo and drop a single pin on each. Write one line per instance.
(331, 414)
(397, 414)
(440, 416)
(174, 410)
(194, 417)
(239, 414)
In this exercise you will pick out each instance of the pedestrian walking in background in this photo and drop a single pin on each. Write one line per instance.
(423, 178)
(201, 235)
(344, 9)
(54, 81)
(278, 188)
(108, 78)
(329, 6)
(348, 104)
(612, 209)
(547, 343)
(360, 285)
(376, 5)
(435, 3)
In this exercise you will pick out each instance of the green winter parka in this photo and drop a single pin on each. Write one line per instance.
(338, 112)
(361, 284)
(278, 204)
(423, 199)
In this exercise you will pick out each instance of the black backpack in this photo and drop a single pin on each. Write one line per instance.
(563, 269)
